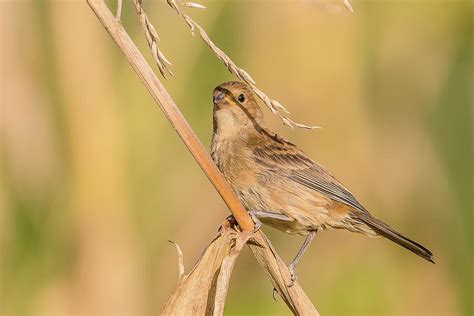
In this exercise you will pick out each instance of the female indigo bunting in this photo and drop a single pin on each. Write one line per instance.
(278, 183)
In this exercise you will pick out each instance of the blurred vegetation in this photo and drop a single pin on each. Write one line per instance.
(94, 181)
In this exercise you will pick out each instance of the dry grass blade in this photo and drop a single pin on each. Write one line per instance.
(152, 39)
(180, 260)
(276, 107)
(118, 15)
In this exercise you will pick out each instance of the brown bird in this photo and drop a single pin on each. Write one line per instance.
(278, 183)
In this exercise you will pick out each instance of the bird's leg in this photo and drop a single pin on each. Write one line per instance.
(292, 266)
(257, 215)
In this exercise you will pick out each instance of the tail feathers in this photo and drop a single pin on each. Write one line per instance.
(386, 231)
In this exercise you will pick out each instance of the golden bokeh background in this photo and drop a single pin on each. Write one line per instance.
(94, 181)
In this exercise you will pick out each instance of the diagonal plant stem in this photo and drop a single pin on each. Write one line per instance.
(171, 111)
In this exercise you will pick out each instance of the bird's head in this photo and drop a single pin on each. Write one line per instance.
(235, 107)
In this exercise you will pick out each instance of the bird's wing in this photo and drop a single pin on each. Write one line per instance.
(326, 185)
(287, 160)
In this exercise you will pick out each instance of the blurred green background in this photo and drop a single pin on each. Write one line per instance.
(94, 181)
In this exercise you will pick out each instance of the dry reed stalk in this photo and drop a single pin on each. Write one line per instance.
(171, 111)
(267, 257)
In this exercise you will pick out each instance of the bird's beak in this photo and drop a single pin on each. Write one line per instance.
(221, 99)
(218, 97)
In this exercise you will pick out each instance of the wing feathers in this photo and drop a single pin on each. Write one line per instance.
(334, 191)
(287, 160)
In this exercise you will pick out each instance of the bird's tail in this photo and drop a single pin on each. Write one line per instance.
(386, 231)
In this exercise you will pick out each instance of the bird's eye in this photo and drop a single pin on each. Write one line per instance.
(241, 98)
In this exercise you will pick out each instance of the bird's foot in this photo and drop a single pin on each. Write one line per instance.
(256, 221)
(294, 277)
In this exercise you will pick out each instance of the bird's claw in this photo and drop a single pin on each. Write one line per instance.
(256, 221)
(274, 292)
(293, 275)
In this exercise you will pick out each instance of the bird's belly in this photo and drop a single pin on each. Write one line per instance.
(307, 210)
(293, 227)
